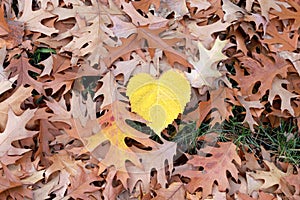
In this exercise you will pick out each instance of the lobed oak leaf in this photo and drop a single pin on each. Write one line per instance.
(258, 20)
(240, 186)
(15, 36)
(109, 90)
(13, 133)
(178, 7)
(233, 13)
(89, 32)
(204, 33)
(249, 114)
(11, 186)
(265, 7)
(136, 42)
(48, 4)
(84, 110)
(158, 101)
(47, 134)
(81, 186)
(285, 95)
(215, 168)
(116, 131)
(217, 101)
(261, 196)
(214, 9)
(60, 80)
(138, 20)
(205, 69)
(122, 29)
(289, 12)
(8, 179)
(294, 58)
(153, 160)
(257, 67)
(79, 122)
(60, 112)
(21, 68)
(48, 65)
(111, 190)
(273, 177)
(67, 168)
(294, 180)
(280, 40)
(57, 185)
(127, 67)
(33, 19)
(240, 42)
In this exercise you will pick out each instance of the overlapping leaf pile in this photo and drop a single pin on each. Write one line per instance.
(65, 67)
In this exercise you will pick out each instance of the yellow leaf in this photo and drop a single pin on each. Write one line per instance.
(159, 101)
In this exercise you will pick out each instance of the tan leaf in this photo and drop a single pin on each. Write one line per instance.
(284, 95)
(266, 5)
(11, 186)
(205, 69)
(111, 191)
(154, 159)
(204, 33)
(62, 162)
(127, 67)
(33, 19)
(272, 177)
(81, 185)
(5, 82)
(109, 90)
(249, 114)
(48, 64)
(178, 7)
(144, 5)
(293, 57)
(21, 68)
(89, 32)
(13, 133)
(44, 191)
(121, 28)
(232, 12)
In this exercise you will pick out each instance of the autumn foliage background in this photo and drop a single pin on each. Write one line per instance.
(67, 128)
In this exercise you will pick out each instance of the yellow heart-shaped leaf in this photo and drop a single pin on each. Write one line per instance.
(159, 101)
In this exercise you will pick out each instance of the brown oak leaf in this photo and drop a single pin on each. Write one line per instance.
(13, 133)
(215, 168)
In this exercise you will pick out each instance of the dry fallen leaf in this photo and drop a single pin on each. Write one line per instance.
(214, 167)
(69, 131)
(205, 69)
